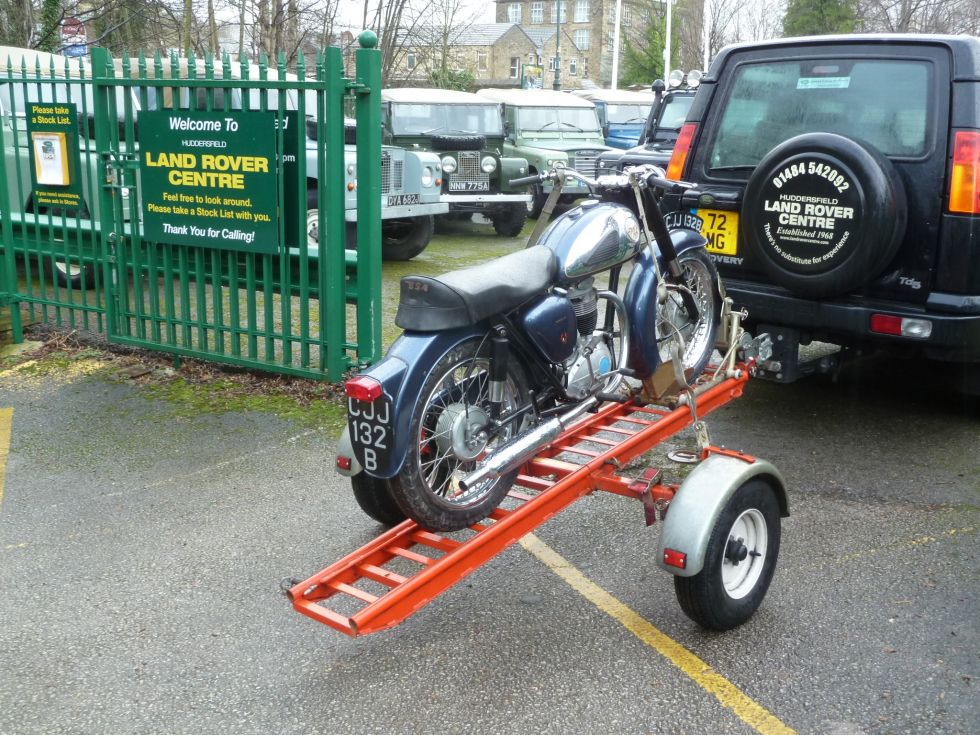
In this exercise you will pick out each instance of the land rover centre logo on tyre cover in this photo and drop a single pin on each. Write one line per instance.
(810, 212)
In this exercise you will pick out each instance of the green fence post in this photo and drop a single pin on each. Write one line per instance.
(8, 269)
(368, 112)
(332, 225)
(101, 63)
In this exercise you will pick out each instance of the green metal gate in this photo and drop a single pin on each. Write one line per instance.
(281, 302)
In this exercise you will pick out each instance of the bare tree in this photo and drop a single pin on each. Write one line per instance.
(920, 16)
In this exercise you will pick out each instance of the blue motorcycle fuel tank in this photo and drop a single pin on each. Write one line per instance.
(591, 238)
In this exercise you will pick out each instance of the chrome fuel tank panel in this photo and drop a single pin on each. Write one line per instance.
(591, 238)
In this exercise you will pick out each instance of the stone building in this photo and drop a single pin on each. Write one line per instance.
(588, 23)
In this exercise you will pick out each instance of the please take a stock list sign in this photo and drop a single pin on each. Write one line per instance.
(210, 179)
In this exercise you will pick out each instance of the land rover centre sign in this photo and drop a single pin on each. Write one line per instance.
(210, 179)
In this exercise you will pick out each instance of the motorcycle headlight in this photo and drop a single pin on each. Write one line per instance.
(488, 164)
(448, 164)
(426, 176)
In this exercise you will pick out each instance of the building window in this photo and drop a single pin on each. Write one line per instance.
(514, 13)
(627, 18)
(551, 64)
(581, 39)
(537, 12)
(481, 60)
(581, 11)
(554, 10)
(573, 66)
(410, 61)
(515, 67)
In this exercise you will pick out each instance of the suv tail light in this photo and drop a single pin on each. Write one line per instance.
(675, 169)
(363, 388)
(964, 187)
(901, 326)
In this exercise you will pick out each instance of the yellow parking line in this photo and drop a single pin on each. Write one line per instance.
(6, 421)
(749, 711)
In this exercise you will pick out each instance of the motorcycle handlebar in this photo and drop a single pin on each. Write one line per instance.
(533, 179)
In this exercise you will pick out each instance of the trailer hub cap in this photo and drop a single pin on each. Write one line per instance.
(745, 553)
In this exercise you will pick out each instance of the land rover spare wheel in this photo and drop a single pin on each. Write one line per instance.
(823, 214)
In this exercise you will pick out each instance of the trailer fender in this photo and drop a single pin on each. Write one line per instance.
(701, 498)
(345, 450)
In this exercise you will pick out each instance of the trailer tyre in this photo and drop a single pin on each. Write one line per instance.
(375, 499)
(739, 561)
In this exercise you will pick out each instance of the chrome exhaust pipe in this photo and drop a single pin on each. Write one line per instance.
(523, 447)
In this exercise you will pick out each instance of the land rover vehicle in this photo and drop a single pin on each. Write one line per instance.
(467, 133)
(622, 114)
(660, 129)
(550, 128)
(838, 181)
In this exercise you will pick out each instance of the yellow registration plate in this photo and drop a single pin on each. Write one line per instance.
(720, 229)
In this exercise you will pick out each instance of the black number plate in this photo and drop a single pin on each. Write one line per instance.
(468, 186)
(370, 431)
(685, 220)
(395, 200)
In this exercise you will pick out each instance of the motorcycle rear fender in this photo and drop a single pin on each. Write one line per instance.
(641, 302)
(699, 502)
(401, 373)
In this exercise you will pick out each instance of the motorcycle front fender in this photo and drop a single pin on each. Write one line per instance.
(401, 373)
(641, 303)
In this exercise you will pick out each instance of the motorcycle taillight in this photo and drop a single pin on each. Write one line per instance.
(363, 388)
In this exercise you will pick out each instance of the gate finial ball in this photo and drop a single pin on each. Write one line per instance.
(368, 39)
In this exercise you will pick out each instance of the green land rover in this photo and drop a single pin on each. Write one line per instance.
(467, 132)
(550, 128)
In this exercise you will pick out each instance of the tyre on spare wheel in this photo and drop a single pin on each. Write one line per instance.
(823, 214)
(459, 142)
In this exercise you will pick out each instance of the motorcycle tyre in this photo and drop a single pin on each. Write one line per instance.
(375, 499)
(409, 488)
(698, 365)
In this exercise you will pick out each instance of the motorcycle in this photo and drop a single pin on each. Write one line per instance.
(497, 360)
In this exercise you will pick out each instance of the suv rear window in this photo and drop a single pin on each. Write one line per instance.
(883, 102)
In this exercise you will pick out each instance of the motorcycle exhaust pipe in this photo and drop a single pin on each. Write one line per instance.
(523, 447)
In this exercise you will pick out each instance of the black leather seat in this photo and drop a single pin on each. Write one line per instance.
(467, 296)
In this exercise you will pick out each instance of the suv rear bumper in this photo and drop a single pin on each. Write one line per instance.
(955, 332)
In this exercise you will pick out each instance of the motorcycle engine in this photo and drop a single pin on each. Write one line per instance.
(592, 357)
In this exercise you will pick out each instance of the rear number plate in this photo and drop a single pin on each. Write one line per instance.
(395, 200)
(687, 220)
(720, 229)
(370, 431)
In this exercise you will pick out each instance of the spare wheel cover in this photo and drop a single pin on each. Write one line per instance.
(823, 214)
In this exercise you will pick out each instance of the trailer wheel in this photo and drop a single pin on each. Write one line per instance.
(375, 498)
(739, 561)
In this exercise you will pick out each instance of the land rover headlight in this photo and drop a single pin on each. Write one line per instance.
(488, 164)
(448, 164)
(426, 176)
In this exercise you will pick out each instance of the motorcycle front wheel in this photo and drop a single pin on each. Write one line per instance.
(674, 323)
(449, 429)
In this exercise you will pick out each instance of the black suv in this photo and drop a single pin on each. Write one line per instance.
(838, 181)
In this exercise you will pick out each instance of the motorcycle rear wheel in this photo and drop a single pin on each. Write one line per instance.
(453, 408)
(674, 323)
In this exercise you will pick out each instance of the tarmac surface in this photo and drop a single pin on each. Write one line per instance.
(141, 552)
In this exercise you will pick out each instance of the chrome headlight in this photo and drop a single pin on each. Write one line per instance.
(448, 164)
(426, 176)
(488, 164)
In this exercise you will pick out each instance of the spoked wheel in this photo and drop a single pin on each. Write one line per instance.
(450, 424)
(739, 562)
(674, 323)
(375, 498)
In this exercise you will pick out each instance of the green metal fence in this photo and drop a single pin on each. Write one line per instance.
(89, 254)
